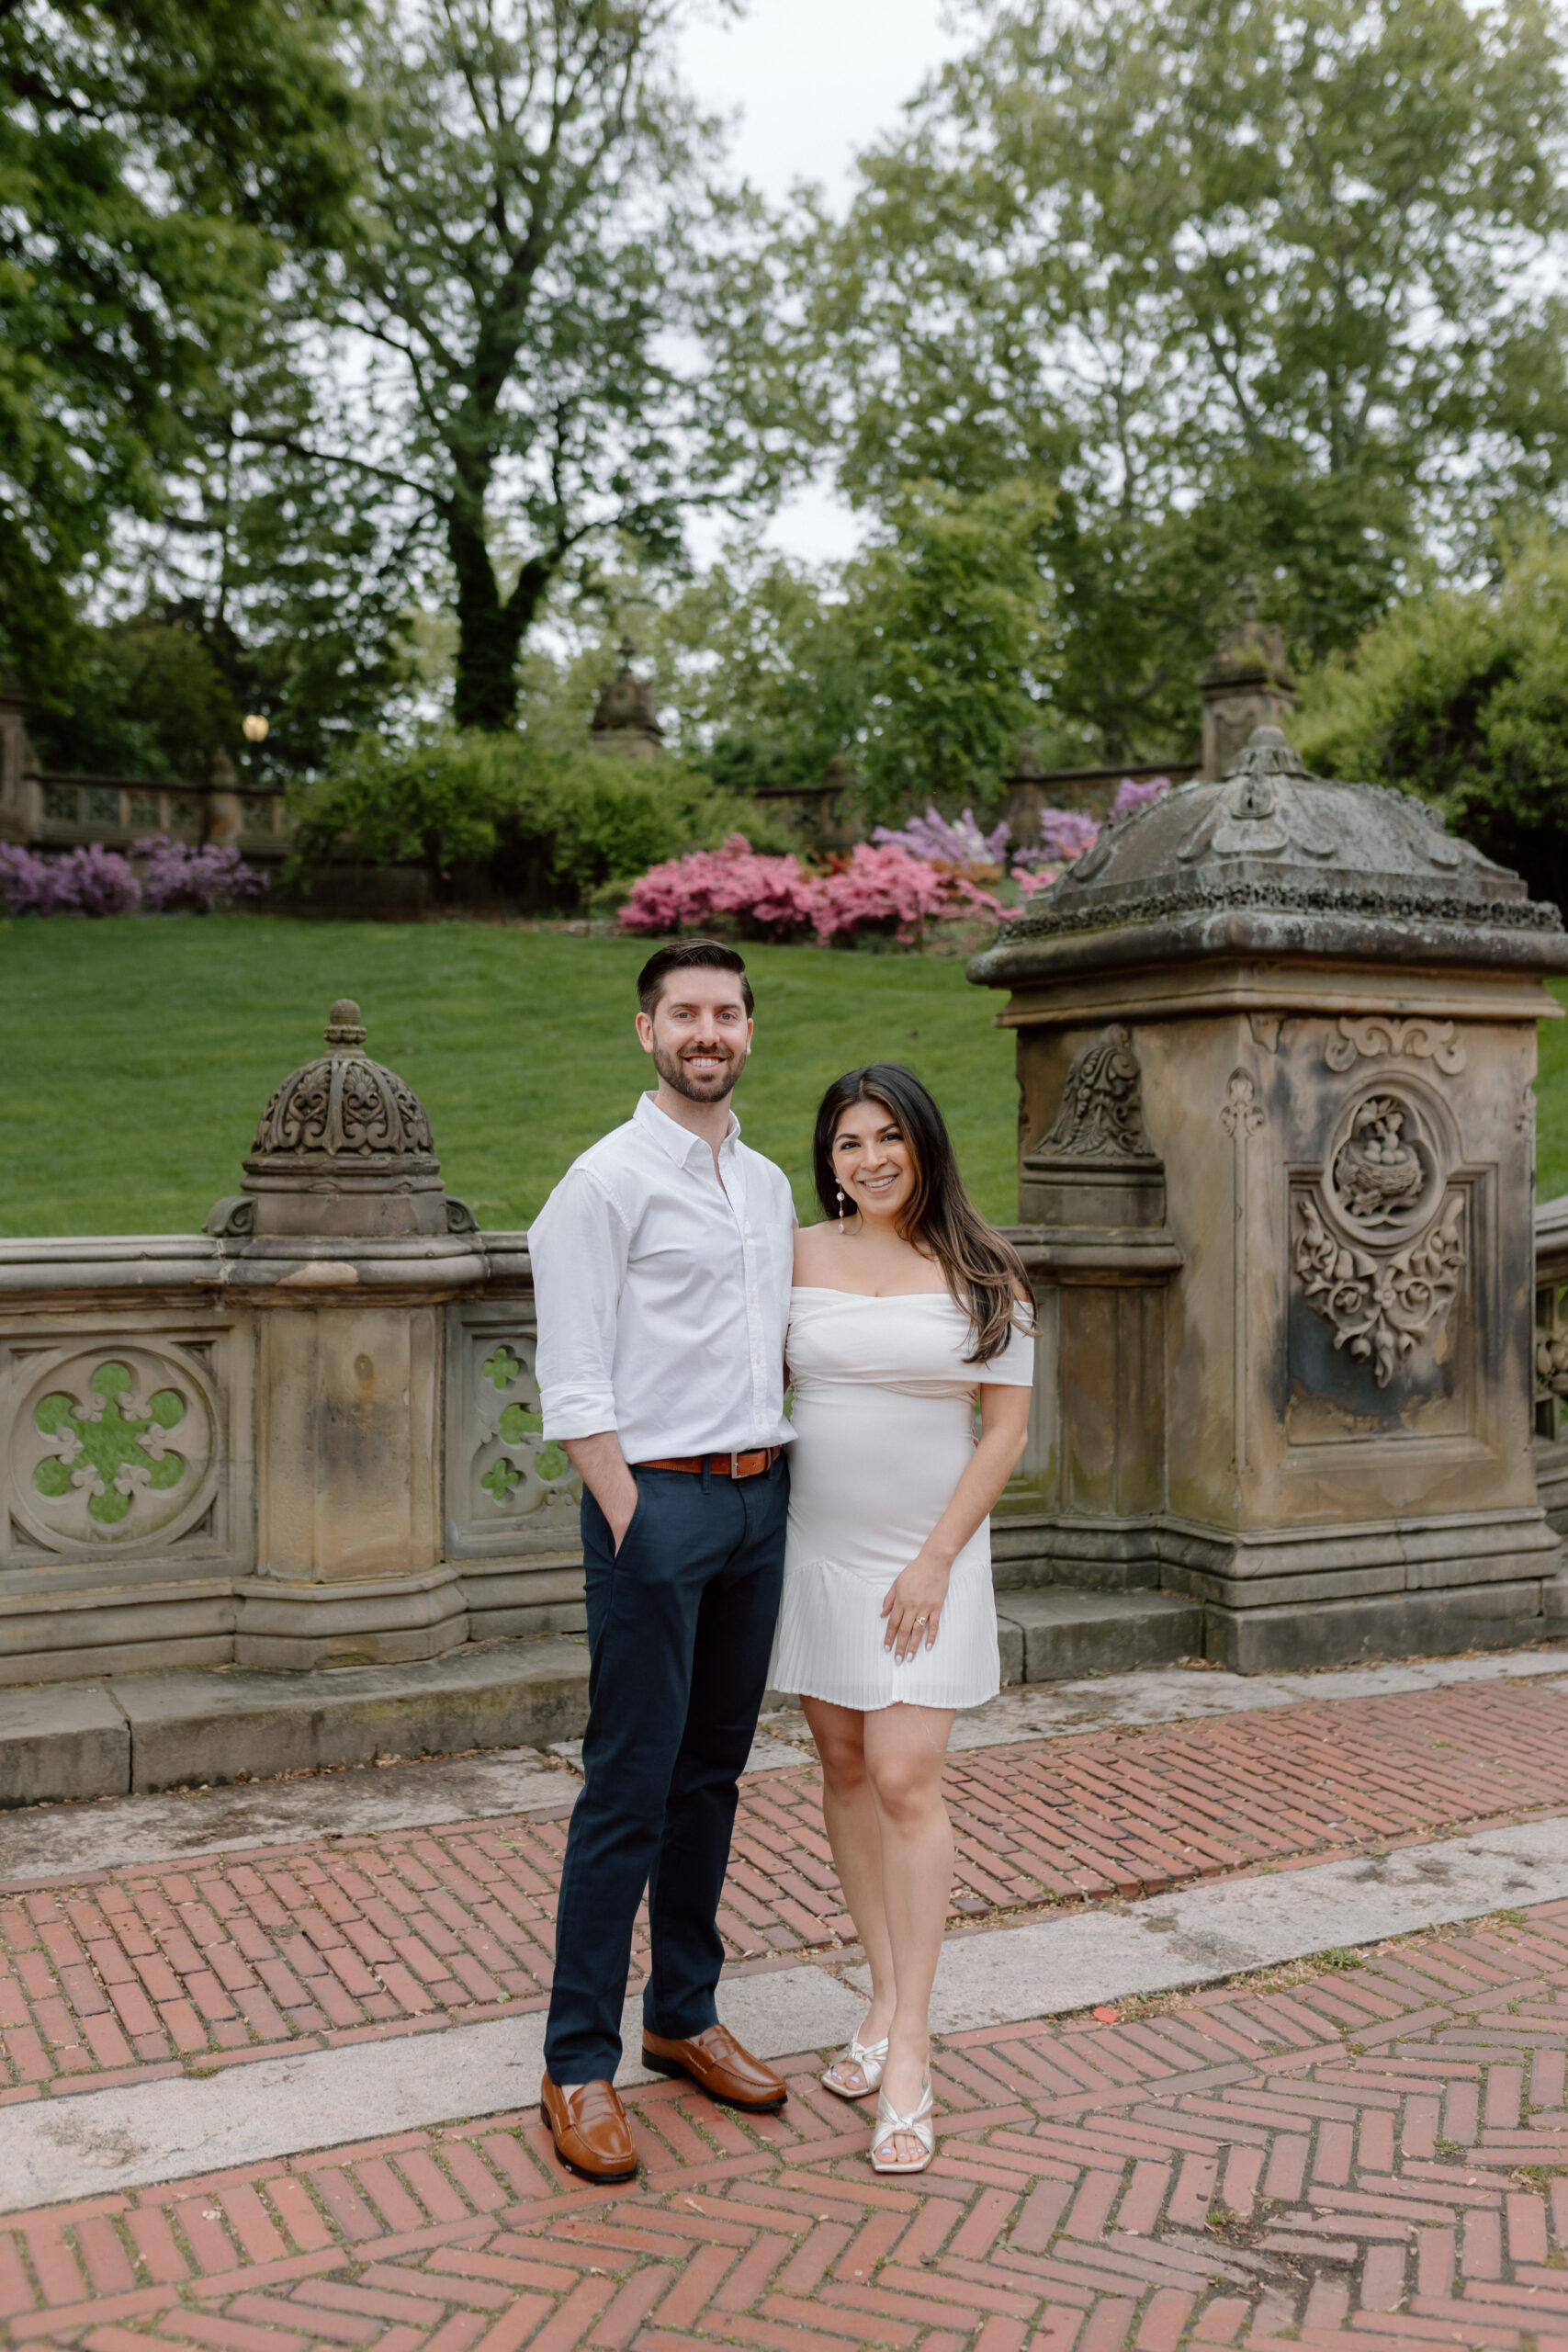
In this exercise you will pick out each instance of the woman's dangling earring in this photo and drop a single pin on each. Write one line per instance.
(841, 1208)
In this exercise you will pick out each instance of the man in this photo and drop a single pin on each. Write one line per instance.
(661, 1267)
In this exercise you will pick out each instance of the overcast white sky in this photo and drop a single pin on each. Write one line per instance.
(809, 83)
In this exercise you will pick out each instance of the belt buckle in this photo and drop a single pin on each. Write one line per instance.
(735, 1465)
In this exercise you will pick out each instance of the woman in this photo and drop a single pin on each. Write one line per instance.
(905, 1304)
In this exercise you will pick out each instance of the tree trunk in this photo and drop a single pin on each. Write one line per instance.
(490, 628)
(489, 635)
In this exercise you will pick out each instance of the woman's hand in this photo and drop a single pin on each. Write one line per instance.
(914, 1604)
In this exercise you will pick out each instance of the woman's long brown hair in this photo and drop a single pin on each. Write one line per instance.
(984, 1274)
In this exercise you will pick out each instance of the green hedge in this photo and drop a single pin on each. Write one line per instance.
(497, 815)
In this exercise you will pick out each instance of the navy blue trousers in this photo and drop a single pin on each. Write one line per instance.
(680, 1628)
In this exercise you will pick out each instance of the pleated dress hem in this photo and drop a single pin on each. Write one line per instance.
(845, 1609)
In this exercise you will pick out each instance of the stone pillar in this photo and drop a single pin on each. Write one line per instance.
(625, 719)
(1246, 685)
(18, 787)
(344, 1227)
(225, 820)
(1276, 1045)
(1093, 1194)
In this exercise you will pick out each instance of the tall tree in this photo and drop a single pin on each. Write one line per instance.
(519, 307)
(158, 160)
(1258, 284)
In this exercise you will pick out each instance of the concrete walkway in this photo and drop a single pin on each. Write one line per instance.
(202, 1997)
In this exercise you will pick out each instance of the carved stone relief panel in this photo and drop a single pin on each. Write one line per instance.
(1551, 1358)
(1379, 1238)
(1101, 1116)
(118, 1445)
(508, 1487)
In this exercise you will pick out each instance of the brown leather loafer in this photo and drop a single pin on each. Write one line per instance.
(589, 2129)
(717, 2064)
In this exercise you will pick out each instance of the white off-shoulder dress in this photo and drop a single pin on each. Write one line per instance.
(884, 1425)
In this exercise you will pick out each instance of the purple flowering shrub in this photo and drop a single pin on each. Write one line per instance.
(90, 881)
(99, 881)
(178, 880)
(1066, 834)
(1130, 795)
(943, 840)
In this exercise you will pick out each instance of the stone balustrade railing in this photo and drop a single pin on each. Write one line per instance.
(168, 1403)
(309, 1436)
(219, 1449)
(1551, 1358)
(310, 1457)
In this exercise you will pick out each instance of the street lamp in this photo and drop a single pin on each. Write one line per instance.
(254, 728)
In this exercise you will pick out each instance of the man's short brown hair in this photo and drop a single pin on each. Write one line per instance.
(684, 956)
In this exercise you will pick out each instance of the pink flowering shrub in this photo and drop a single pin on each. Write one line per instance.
(884, 888)
(178, 880)
(876, 889)
(90, 881)
(768, 898)
(941, 841)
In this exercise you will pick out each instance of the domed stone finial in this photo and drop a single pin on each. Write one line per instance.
(1300, 865)
(344, 1026)
(343, 1148)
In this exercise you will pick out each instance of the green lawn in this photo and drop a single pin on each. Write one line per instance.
(137, 1055)
(1551, 1103)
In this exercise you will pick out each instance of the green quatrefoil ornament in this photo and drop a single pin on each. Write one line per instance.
(106, 1446)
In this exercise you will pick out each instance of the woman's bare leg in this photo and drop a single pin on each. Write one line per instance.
(904, 1747)
(855, 1837)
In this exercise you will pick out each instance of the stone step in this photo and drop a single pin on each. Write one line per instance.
(1059, 1632)
(139, 1733)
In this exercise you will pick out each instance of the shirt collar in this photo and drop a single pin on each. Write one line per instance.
(671, 1137)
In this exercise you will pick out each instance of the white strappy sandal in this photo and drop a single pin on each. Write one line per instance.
(869, 2056)
(917, 2126)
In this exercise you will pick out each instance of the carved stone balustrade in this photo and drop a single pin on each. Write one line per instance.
(1276, 1046)
(311, 1435)
(307, 1437)
(1552, 1359)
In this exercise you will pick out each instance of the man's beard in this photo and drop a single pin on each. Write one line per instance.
(709, 1089)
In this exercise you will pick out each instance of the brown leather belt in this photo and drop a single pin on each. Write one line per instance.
(722, 1465)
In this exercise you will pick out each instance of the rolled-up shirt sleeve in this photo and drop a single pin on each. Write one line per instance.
(579, 1245)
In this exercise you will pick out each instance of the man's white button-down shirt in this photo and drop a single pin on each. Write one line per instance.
(664, 1293)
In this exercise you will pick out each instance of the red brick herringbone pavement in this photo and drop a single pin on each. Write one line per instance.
(1376, 2158)
(144, 1970)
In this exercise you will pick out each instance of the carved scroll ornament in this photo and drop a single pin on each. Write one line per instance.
(1101, 1116)
(1385, 1032)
